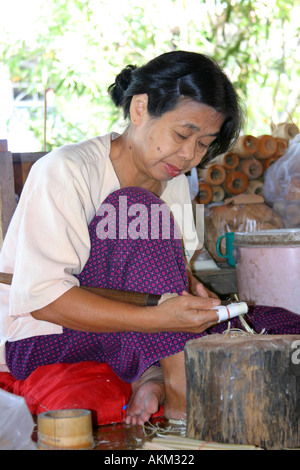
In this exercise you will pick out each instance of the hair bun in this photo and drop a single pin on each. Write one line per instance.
(117, 89)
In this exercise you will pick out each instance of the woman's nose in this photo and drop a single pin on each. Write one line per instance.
(187, 151)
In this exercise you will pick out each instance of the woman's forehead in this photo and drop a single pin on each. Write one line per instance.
(195, 116)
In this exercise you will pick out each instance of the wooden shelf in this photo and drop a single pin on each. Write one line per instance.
(221, 281)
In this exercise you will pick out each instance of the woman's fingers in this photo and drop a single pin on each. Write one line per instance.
(189, 313)
(197, 288)
(204, 302)
(204, 292)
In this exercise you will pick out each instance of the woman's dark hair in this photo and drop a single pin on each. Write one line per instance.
(178, 74)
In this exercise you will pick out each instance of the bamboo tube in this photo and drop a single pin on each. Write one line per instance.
(65, 429)
(255, 187)
(269, 161)
(267, 147)
(229, 160)
(236, 182)
(246, 145)
(285, 131)
(214, 174)
(218, 193)
(252, 168)
(282, 145)
(205, 194)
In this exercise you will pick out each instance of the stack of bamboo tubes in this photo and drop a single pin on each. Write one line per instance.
(282, 185)
(242, 169)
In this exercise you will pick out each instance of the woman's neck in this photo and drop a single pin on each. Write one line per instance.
(121, 156)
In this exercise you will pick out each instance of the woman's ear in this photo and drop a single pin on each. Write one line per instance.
(138, 108)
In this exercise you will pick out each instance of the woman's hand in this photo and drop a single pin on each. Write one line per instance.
(196, 288)
(188, 313)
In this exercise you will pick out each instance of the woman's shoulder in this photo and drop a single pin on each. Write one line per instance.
(80, 165)
(88, 152)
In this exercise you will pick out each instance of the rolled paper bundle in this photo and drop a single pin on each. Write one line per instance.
(236, 182)
(225, 312)
(218, 193)
(252, 168)
(293, 189)
(282, 145)
(267, 147)
(292, 215)
(246, 145)
(229, 160)
(285, 130)
(255, 187)
(214, 174)
(269, 161)
(205, 194)
(279, 207)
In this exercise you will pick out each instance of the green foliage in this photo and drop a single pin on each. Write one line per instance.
(76, 47)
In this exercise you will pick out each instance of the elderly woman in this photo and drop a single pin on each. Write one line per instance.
(181, 109)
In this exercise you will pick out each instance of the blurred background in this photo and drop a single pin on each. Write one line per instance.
(58, 57)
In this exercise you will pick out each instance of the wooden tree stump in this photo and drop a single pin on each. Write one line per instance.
(244, 390)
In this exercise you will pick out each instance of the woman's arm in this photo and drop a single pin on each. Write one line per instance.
(82, 310)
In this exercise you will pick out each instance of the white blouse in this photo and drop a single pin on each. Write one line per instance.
(47, 241)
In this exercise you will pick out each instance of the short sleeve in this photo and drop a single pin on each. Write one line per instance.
(52, 239)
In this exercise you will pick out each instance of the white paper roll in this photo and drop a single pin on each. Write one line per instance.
(226, 312)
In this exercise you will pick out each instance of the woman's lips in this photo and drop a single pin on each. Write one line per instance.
(172, 170)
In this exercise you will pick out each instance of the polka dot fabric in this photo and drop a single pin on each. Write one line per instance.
(150, 263)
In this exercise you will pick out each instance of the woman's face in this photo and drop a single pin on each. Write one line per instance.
(173, 144)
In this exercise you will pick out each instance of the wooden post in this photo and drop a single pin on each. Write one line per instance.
(244, 390)
(7, 189)
(22, 163)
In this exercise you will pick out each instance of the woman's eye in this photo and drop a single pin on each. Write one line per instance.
(183, 137)
(202, 145)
